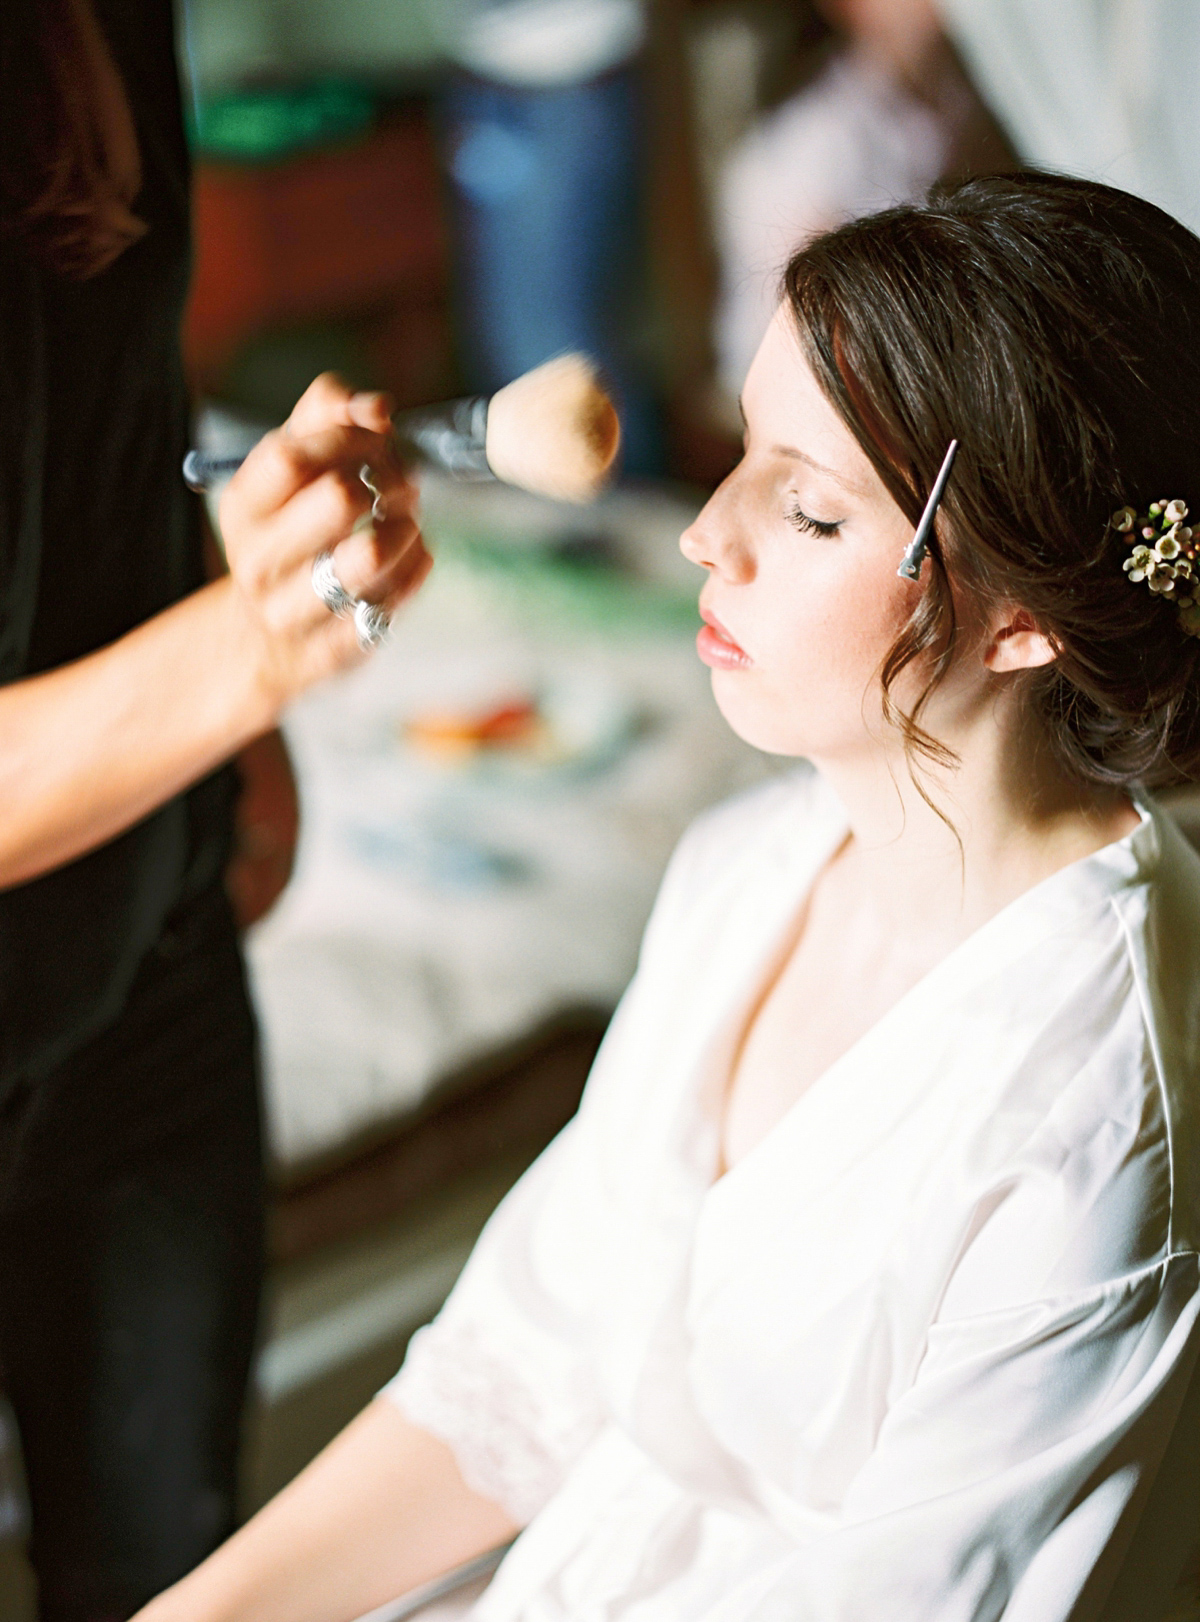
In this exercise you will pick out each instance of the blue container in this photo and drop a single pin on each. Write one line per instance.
(546, 187)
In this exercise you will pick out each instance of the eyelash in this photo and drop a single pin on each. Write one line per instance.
(813, 526)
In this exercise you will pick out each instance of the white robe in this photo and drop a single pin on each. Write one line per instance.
(917, 1356)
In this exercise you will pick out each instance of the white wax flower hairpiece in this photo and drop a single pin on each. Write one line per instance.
(1165, 557)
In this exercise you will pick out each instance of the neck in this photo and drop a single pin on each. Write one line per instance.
(1010, 818)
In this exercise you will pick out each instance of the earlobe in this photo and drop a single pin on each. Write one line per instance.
(1019, 645)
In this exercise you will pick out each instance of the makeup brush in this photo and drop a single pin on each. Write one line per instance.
(553, 431)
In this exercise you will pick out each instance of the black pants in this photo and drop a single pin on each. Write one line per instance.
(131, 1251)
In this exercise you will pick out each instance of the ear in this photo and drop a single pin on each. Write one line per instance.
(1017, 644)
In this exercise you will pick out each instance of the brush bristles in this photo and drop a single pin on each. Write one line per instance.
(554, 431)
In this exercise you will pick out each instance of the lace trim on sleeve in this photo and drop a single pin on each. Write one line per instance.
(510, 1446)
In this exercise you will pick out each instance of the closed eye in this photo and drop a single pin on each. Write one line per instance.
(813, 526)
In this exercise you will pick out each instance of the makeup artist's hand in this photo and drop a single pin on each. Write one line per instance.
(299, 493)
(88, 748)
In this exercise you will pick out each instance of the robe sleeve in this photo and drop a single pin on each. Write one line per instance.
(500, 1375)
(1022, 1449)
(504, 1373)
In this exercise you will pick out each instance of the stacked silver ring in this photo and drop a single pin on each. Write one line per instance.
(371, 623)
(328, 587)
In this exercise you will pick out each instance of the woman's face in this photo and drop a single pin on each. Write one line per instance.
(802, 543)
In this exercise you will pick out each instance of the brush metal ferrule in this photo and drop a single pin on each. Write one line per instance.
(452, 437)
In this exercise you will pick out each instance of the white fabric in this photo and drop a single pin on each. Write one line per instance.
(918, 1355)
(1100, 88)
(853, 142)
(541, 43)
(441, 911)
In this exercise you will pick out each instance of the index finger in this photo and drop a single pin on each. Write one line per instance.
(282, 464)
(328, 402)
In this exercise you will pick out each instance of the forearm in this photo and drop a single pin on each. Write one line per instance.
(381, 1511)
(90, 748)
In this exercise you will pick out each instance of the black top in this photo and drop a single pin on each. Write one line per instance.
(98, 533)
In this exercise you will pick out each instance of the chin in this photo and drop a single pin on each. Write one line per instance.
(755, 720)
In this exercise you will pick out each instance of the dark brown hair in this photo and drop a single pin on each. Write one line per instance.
(69, 162)
(1052, 326)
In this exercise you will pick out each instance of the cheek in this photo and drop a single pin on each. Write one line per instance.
(832, 628)
(815, 683)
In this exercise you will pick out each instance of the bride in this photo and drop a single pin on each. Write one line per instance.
(864, 1285)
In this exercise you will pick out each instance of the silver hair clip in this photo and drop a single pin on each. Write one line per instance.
(910, 567)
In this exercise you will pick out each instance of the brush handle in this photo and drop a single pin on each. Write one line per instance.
(452, 437)
(201, 472)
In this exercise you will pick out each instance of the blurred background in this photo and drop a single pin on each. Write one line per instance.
(433, 196)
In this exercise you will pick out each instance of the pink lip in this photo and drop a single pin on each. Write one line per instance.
(717, 648)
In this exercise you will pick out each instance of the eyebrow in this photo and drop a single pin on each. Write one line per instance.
(818, 467)
(796, 455)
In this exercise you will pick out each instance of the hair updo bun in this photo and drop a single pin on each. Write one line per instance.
(1052, 326)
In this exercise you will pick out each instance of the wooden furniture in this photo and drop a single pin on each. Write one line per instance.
(355, 231)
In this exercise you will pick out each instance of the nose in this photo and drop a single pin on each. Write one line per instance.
(715, 539)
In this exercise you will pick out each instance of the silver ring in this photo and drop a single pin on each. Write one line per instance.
(371, 624)
(328, 587)
(377, 501)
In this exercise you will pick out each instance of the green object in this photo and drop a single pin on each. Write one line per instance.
(541, 589)
(259, 125)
